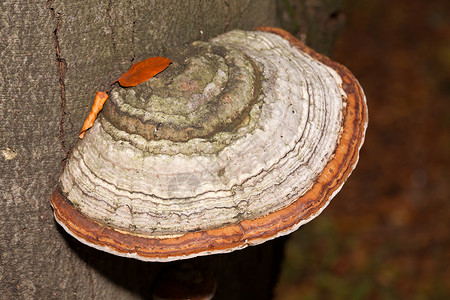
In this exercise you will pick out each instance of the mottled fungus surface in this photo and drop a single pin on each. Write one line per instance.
(242, 139)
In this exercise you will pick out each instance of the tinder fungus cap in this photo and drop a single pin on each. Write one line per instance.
(242, 139)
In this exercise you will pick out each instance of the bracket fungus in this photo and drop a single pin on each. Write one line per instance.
(242, 139)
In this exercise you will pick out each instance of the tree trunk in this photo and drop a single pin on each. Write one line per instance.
(54, 56)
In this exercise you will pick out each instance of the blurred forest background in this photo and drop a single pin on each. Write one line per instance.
(386, 234)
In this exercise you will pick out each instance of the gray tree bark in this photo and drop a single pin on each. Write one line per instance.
(54, 56)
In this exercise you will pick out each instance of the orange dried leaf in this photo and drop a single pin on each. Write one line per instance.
(100, 99)
(143, 70)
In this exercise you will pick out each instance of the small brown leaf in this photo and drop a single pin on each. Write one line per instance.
(143, 70)
(99, 100)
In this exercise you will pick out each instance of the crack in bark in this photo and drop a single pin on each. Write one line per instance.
(228, 17)
(61, 67)
(132, 43)
(133, 31)
(200, 20)
(111, 25)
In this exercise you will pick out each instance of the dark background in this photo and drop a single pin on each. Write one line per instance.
(386, 234)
